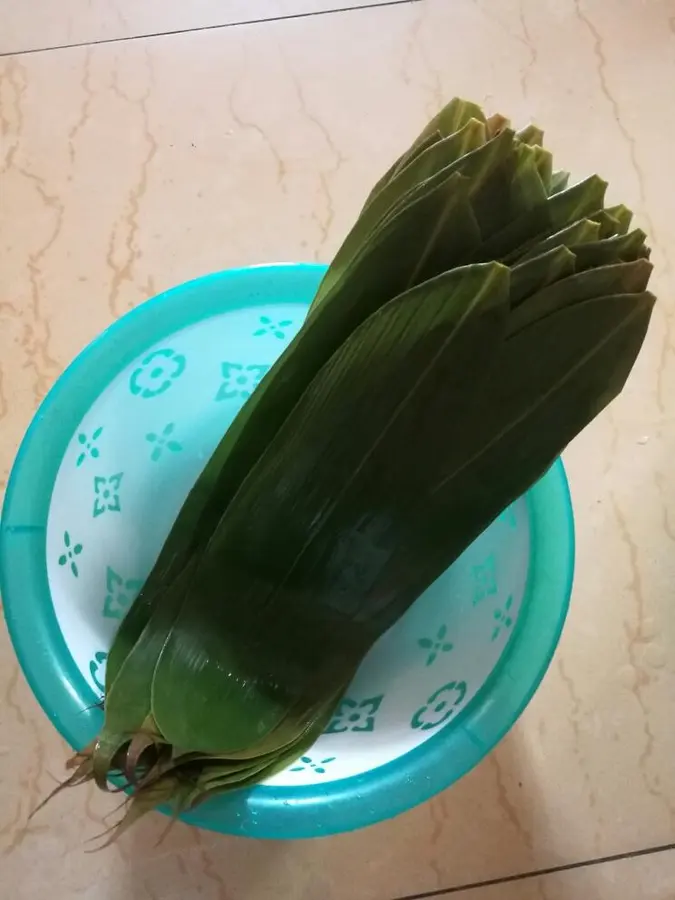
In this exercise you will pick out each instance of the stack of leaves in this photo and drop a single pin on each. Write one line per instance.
(479, 314)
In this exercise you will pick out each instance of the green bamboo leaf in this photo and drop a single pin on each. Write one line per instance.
(205, 494)
(210, 775)
(211, 785)
(560, 210)
(620, 248)
(609, 225)
(496, 124)
(580, 232)
(451, 118)
(487, 169)
(511, 187)
(549, 381)
(436, 331)
(531, 135)
(575, 202)
(559, 182)
(128, 633)
(557, 356)
(127, 706)
(432, 161)
(531, 276)
(299, 721)
(453, 242)
(544, 161)
(619, 278)
(438, 229)
(403, 160)
(478, 315)
(214, 778)
(528, 188)
(622, 215)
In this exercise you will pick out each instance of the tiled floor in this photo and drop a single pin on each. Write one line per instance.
(132, 163)
(40, 25)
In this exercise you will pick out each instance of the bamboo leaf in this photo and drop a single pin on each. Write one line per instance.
(410, 154)
(534, 274)
(580, 232)
(559, 182)
(622, 215)
(401, 355)
(478, 315)
(528, 188)
(531, 135)
(429, 163)
(559, 211)
(496, 124)
(451, 118)
(619, 278)
(544, 161)
(127, 707)
(620, 248)
(548, 382)
(438, 226)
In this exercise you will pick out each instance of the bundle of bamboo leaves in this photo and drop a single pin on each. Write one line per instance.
(479, 314)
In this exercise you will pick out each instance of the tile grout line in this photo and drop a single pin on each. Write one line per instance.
(198, 28)
(538, 873)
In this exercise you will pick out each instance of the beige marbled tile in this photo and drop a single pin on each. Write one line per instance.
(646, 878)
(129, 167)
(40, 24)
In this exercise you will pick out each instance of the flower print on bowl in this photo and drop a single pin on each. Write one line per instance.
(163, 441)
(355, 716)
(440, 706)
(106, 490)
(306, 762)
(239, 380)
(88, 446)
(270, 326)
(156, 373)
(435, 645)
(68, 558)
(503, 618)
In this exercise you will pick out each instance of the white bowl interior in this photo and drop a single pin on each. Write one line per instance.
(126, 471)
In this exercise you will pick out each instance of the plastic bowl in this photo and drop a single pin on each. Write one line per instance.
(100, 476)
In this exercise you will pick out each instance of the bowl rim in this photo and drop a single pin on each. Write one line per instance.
(263, 811)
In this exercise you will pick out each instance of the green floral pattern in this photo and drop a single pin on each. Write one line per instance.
(308, 763)
(503, 618)
(239, 381)
(436, 645)
(163, 441)
(88, 445)
(355, 716)
(440, 706)
(269, 326)
(156, 373)
(106, 491)
(68, 558)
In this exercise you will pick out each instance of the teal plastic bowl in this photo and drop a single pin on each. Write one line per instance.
(100, 476)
